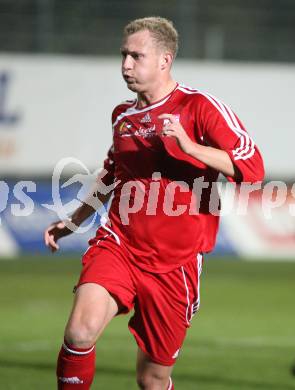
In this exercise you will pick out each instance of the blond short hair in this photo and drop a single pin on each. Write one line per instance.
(161, 29)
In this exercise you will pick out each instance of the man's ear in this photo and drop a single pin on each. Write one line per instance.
(166, 60)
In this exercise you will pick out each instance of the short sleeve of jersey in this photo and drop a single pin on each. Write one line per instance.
(222, 129)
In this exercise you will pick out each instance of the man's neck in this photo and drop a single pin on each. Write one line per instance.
(155, 94)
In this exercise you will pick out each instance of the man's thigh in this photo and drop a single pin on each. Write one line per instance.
(93, 309)
(164, 307)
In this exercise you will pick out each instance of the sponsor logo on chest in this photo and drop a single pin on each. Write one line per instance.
(127, 129)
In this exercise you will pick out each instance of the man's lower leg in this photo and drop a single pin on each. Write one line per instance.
(75, 367)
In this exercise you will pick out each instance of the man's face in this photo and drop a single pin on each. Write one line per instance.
(141, 61)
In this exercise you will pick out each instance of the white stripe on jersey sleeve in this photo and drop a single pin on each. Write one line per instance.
(246, 148)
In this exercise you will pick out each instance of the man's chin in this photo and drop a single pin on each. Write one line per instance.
(132, 87)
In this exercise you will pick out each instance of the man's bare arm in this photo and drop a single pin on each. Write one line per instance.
(60, 229)
(213, 157)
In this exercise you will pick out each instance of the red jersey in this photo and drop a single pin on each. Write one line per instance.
(171, 222)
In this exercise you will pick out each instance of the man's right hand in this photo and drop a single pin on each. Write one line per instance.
(54, 232)
(60, 229)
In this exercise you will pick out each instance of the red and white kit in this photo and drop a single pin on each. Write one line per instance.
(149, 258)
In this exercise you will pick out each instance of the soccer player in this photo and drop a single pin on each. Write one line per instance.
(169, 146)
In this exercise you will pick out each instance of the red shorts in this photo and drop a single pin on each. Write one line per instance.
(164, 304)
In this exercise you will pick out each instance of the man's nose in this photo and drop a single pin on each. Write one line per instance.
(127, 63)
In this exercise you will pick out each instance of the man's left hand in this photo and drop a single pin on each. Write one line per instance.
(173, 128)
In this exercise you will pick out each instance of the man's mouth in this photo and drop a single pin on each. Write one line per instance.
(129, 79)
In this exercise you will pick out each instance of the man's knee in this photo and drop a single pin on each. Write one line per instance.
(93, 309)
(152, 381)
(82, 334)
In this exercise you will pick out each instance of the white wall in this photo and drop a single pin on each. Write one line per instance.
(64, 106)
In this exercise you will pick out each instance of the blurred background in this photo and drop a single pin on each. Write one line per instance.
(59, 81)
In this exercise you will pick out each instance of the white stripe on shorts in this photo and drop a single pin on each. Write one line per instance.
(187, 295)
